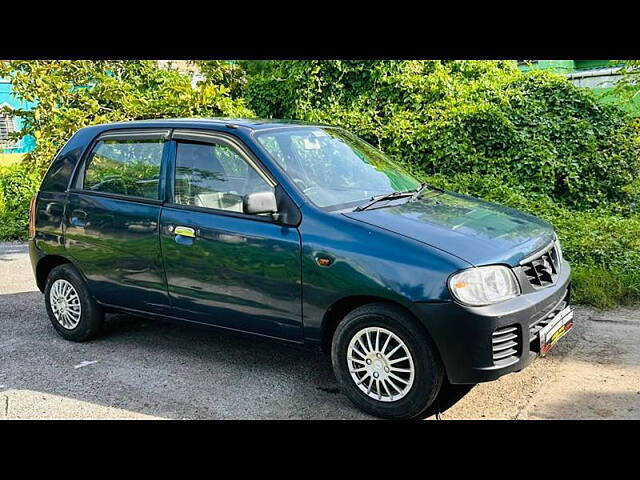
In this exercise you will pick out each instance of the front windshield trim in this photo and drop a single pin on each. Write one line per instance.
(375, 158)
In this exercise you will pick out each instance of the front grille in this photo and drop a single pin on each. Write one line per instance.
(506, 344)
(542, 271)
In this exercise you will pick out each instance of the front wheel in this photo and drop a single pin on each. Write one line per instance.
(385, 363)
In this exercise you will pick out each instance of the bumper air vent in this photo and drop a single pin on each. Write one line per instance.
(506, 343)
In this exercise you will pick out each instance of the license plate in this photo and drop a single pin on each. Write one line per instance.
(555, 330)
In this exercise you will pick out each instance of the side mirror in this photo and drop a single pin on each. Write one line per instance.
(259, 202)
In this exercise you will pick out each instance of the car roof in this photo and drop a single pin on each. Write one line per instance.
(250, 123)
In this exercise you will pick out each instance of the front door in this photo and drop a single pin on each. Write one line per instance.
(223, 266)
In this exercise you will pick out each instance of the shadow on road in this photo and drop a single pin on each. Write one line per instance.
(172, 370)
(448, 397)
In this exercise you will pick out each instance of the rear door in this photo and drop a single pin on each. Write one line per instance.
(112, 219)
(223, 266)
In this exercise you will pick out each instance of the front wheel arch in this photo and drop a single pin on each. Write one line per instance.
(341, 308)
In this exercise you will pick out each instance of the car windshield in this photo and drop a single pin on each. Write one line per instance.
(334, 168)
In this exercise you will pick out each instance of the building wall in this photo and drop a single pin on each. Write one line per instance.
(7, 99)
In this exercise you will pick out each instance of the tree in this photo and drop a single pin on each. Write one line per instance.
(69, 95)
(231, 74)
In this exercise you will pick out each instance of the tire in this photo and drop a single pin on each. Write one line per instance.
(421, 387)
(84, 317)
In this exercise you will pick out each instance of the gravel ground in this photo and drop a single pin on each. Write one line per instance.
(148, 369)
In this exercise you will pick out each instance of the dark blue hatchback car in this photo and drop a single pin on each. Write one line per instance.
(302, 233)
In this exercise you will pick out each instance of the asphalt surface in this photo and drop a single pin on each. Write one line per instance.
(152, 369)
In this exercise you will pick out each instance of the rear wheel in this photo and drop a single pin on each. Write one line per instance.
(386, 364)
(73, 312)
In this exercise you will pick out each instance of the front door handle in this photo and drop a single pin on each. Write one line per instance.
(184, 231)
(183, 235)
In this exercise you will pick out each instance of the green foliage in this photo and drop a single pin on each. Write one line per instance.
(18, 184)
(74, 94)
(69, 95)
(604, 288)
(532, 141)
(231, 74)
(487, 118)
(628, 87)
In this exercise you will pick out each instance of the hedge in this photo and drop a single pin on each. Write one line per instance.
(18, 184)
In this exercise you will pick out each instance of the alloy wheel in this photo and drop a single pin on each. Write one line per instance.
(65, 304)
(380, 364)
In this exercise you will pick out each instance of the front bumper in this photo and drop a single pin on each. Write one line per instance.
(466, 336)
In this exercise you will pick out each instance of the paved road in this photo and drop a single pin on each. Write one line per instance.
(148, 369)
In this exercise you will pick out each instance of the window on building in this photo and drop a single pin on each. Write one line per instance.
(7, 126)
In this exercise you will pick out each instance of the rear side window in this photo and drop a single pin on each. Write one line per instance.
(125, 167)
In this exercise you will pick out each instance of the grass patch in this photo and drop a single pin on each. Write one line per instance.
(604, 289)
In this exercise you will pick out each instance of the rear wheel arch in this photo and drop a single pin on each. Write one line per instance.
(44, 267)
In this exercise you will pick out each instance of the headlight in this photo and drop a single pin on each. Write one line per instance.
(484, 285)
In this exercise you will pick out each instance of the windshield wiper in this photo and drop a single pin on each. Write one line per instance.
(414, 194)
(420, 190)
(380, 198)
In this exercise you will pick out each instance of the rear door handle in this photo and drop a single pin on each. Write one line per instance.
(78, 218)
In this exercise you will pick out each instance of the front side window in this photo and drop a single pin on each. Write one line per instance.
(214, 175)
(125, 167)
(333, 167)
